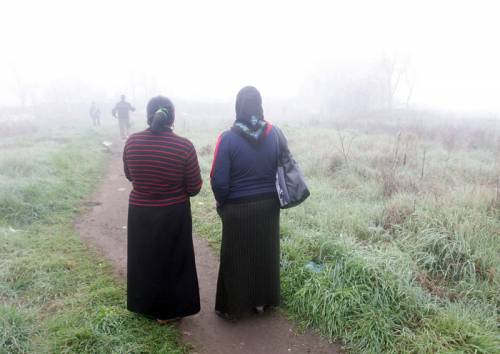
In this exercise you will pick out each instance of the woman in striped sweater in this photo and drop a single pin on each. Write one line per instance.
(243, 182)
(163, 167)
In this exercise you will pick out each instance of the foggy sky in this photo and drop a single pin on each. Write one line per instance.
(209, 49)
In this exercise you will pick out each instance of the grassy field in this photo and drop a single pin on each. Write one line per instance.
(397, 250)
(56, 296)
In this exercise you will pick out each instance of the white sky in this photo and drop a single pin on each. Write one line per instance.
(209, 49)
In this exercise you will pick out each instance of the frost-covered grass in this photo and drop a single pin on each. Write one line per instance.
(407, 246)
(56, 296)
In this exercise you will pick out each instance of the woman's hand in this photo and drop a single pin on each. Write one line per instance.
(218, 207)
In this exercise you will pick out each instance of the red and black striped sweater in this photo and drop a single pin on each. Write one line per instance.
(163, 168)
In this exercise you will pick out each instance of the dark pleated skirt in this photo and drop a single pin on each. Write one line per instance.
(249, 272)
(161, 273)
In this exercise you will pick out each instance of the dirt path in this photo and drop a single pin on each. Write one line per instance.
(103, 226)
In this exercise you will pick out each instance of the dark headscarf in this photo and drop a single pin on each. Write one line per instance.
(161, 114)
(250, 121)
(249, 104)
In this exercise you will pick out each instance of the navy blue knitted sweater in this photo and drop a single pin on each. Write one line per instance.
(243, 169)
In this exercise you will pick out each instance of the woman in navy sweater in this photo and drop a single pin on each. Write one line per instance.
(243, 182)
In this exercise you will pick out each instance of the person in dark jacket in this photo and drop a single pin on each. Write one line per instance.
(163, 167)
(95, 114)
(121, 111)
(243, 182)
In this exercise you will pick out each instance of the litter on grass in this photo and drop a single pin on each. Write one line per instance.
(314, 267)
(8, 230)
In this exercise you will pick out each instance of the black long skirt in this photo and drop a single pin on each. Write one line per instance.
(161, 273)
(249, 271)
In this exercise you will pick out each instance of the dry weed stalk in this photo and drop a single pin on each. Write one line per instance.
(423, 163)
(496, 201)
(206, 150)
(396, 151)
(345, 144)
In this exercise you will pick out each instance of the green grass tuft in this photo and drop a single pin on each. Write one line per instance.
(56, 296)
(405, 262)
(16, 329)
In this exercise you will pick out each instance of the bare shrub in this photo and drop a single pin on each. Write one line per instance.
(335, 163)
(409, 150)
(484, 272)
(14, 127)
(450, 141)
(435, 286)
(396, 212)
(382, 162)
(393, 182)
(479, 138)
(495, 203)
(206, 150)
(390, 185)
(345, 143)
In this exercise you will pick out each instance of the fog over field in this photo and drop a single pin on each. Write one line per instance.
(390, 108)
(435, 54)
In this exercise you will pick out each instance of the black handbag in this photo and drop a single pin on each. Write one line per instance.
(290, 183)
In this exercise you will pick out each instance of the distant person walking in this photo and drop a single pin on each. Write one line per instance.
(163, 167)
(122, 111)
(95, 114)
(243, 182)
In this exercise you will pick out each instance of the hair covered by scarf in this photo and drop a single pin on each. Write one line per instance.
(249, 104)
(161, 114)
(250, 121)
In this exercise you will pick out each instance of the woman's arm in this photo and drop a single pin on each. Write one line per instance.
(125, 166)
(221, 168)
(192, 173)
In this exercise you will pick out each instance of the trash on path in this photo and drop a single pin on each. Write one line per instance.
(8, 230)
(121, 189)
(107, 146)
(124, 227)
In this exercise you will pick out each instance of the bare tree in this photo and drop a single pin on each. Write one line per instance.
(410, 79)
(22, 88)
(395, 71)
(345, 142)
(392, 77)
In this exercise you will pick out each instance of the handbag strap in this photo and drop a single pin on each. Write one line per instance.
(283, 150)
